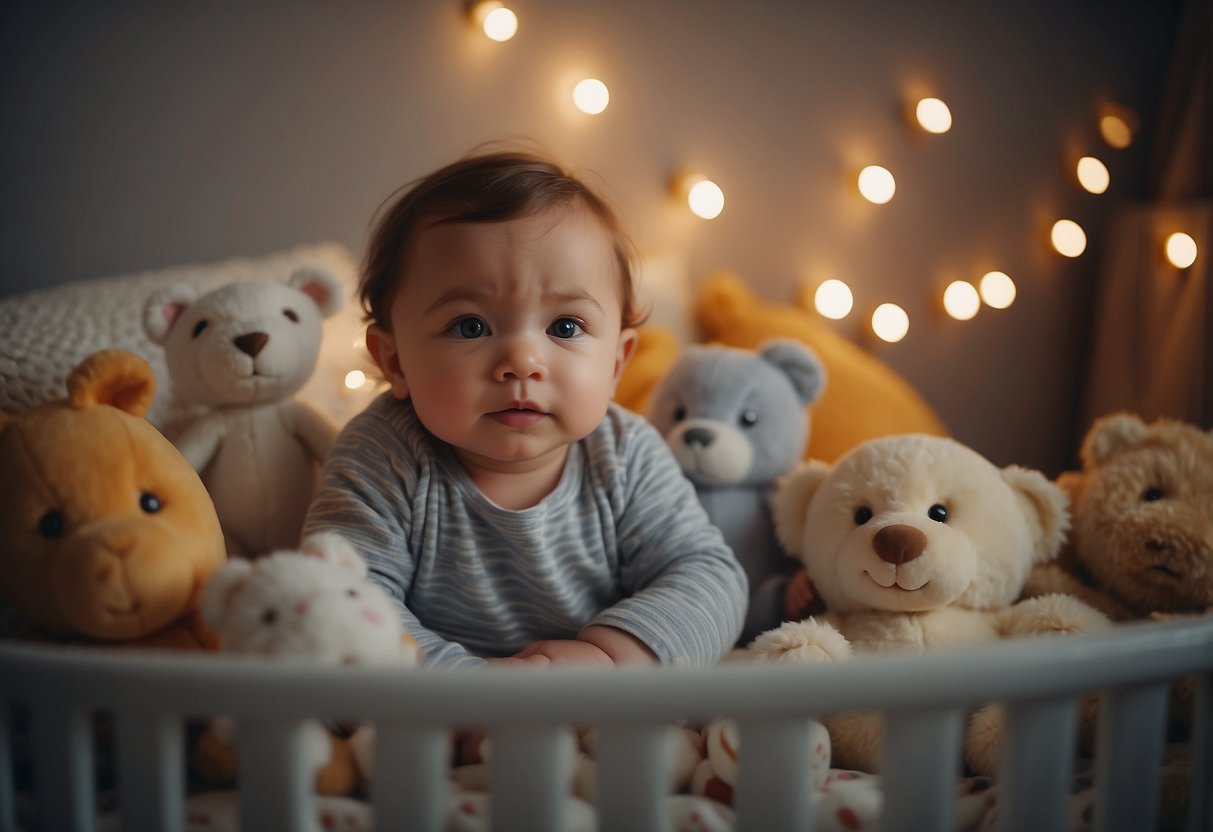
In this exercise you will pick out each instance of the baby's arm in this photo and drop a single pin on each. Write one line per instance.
(593, 645)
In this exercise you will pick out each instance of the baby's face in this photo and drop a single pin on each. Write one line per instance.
(507, 335)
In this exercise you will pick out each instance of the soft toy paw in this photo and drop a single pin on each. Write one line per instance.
(315, 604)
(107, 533)
(716, 775)
(241, 352)
(916, 542)
(736, 421)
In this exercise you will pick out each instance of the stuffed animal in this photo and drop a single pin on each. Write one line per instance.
(107, 532)
(866, 398)
(916, 542)
(241, 352)
(317, 605)
(1142, 542)
(735, 420)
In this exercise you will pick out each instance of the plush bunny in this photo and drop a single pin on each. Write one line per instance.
(316, 604)
(241, 352)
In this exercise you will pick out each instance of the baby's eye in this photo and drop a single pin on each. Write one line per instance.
(198, 327)
(291, 315)
(862, 515)
(149, 502)
(1153, 494)
(52, 525)
(469, 327)
(565, 328)
(938, 513)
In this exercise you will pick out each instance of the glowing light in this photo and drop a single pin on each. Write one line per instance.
(1181, 250)
(997, 290)
(833, 300)
(1069, 238)
(933, 115)
(1093, 174)
(705, 199)
(960, 300)
(876, 184)
(355, 379)
(1116, 131)
(591, 96)
(496, 19)
(890, 322)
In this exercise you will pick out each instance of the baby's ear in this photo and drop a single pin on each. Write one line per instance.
(791, 503)
(216, 597)
(335, 549)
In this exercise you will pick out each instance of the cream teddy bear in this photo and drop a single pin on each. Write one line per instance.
(915, 542)
(241, 352)
(315, 605)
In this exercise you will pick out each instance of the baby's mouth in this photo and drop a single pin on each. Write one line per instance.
(523, 416)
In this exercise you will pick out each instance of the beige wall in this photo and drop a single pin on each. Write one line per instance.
(139, 135)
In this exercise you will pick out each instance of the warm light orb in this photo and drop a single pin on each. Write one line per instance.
(355, 379)
(591, 96)
(876, 184)
(1069, 238)
(890, 322)
(1181, 250)
(997, 289)
(496, 19)
(833, 300)
(933, 115)
(1116, 131)
(960, 300)
(1093, 174)
(705, 199)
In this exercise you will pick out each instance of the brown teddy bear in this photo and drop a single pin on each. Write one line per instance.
(106, 533)
(1142, 538)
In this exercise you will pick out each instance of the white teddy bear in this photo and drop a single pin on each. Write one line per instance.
(915, 542)
(241, 352)
(318, 605)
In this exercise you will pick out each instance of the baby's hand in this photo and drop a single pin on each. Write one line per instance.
(562, 651)
(516, 661)
(799, 597)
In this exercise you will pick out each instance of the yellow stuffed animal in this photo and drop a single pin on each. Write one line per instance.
(106, 533)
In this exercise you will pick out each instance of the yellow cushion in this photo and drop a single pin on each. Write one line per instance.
(656, 350)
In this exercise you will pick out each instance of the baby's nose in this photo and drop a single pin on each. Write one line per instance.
(521, 358)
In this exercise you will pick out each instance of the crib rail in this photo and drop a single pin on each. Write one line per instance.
(923, 699)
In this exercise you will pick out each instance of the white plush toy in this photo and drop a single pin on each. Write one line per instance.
(241, 352)
(915, 542)
(315, 605)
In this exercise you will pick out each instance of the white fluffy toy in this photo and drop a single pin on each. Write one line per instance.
(315, 604)
(240, 353)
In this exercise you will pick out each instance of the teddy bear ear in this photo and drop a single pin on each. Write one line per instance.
(114, 377)
(1110, 435)
(800, 364)
(793, 494)
(321, 285)
(1047, 508)
(162, 309)
(335, 549)
(215, 600)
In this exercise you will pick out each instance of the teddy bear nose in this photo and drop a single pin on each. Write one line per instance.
(251, 343)
(899, 544)
(698, 436)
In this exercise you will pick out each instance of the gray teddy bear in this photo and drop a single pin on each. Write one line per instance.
(736, 421)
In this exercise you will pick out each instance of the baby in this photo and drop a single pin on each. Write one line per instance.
(515, 513)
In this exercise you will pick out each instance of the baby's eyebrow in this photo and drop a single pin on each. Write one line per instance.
(577, 296)
(459, 293)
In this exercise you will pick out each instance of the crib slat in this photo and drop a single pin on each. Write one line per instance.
(151, 774)
(922, 757)
(409, 788)
(773, 782)
(1200, 793)
(633, 765)
(1036, 767)
(275, 781)
(1130, 740)
(63, 766)
(8, 805)
(529, 778)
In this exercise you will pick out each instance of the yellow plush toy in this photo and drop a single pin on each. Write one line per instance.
(865, 398)
(106, 532)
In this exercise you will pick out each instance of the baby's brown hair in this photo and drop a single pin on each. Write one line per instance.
(488, 187)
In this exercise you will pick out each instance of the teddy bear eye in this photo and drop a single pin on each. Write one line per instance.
(862, 515)
(269, 616)
(149, 502)
(938, 513)
(52, 524)
(198, 327)
(1152, 494)
(680, 413)
(748, 419)
(291, 316)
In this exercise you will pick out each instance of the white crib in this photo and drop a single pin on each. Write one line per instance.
(923, 698)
